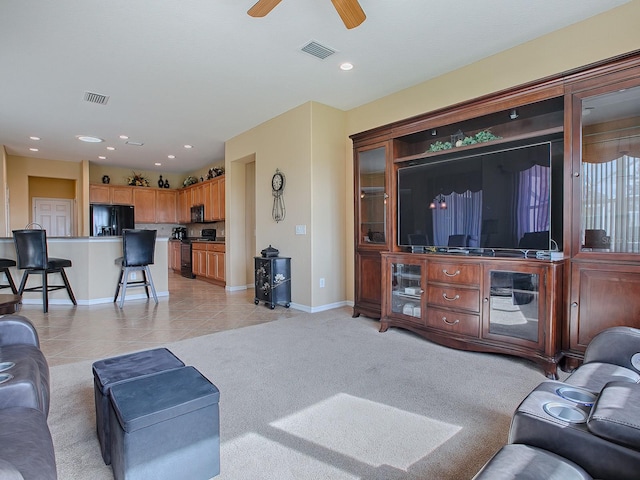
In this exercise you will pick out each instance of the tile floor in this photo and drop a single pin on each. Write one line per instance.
(71, 334)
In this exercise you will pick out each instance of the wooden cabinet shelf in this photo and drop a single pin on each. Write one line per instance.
(481, 148)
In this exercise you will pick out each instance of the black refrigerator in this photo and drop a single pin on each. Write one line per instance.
(109, 220)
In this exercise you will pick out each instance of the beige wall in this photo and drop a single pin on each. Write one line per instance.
(20, 169)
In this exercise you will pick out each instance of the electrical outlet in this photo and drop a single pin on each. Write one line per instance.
(301, 229)
(322, 283)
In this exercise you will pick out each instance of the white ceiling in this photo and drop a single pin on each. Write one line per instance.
(200, 72)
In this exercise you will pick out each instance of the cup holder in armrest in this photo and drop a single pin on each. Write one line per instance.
(564, 412)
(6, 366)
(577, 395)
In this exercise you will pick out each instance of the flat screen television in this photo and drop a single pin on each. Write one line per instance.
(496, 202)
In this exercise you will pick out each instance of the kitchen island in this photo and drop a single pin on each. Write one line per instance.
(94, 274)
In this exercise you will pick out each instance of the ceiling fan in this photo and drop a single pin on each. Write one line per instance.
(350, 11)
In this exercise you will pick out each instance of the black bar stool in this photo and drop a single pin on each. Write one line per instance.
(5, 263)
(138, 247)
(31, 249)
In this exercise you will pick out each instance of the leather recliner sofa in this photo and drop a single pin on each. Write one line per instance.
(26, 447)
(585, 427)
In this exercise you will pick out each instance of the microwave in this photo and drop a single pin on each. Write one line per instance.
(197, 214)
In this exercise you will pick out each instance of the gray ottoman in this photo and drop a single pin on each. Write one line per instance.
(111, 371)
(165, 426)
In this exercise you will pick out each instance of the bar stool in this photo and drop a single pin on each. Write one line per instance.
(5, 263)
(31, 250)
(138, 247)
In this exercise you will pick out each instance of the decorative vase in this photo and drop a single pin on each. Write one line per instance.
(105, 179)
(160, 182)
(166, 184)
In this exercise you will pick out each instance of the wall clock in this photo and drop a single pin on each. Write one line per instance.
(277, 189)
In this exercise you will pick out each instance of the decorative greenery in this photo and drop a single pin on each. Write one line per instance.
(480, 137)
(437, 146)
(138, 180)
(190, 180)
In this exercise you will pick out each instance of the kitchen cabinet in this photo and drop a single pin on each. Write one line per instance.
(174, 255)
(99, 194)
(216, 199)
(110, 194)
(166, 206)
(208, 261)
(184, 205)
(122, 195)
(144, 201)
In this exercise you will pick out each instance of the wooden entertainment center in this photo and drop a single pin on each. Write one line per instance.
(537, 303)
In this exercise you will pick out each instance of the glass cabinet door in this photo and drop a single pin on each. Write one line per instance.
(514, 308)
(610, 171)
(406, 289)
(372, 196)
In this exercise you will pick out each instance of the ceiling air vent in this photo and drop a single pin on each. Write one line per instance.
(317, 50)
(96, 98)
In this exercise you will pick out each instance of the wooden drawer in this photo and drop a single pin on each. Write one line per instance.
(450, 296)
(198, 246)
(215, 247)
(452, 272)
(462, 323)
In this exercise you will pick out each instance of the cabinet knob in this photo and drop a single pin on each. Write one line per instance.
(574, 304)
(485, 300)
(576, 174)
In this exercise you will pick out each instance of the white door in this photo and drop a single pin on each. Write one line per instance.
(54, 215)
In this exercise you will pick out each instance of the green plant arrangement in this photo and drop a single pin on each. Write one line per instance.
(481, 137)
(190, 180)
(438, 146)
(138, 180)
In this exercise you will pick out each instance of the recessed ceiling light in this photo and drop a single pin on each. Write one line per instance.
(346, 66)
(102, 157)
(188, 146)
(124, 137)
(33, 149)
(34, 138)
(171, 156)
(89, 139)
(157, 164)
(111, 148)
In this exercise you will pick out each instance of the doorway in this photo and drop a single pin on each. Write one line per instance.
(55, 215)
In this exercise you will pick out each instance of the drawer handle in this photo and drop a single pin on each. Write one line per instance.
(444, 319)
(457, 272)
(444, 295)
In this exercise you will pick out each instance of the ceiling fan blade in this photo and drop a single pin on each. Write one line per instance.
(350, 12)
(262, 7)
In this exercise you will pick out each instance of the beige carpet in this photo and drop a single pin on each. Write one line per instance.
(326, 396)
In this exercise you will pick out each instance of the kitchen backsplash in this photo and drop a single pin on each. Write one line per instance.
(193, 229)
